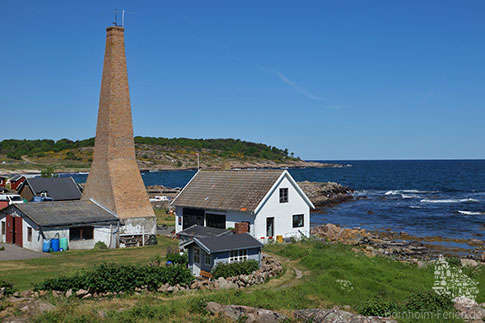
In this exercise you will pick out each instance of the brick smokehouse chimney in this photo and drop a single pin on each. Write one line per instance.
(114, 179)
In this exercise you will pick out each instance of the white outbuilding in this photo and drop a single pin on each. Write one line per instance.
(81, 223)
(265, 203)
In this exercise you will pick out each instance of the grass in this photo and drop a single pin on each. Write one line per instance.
(371, 278)
(163, 218)
(24, 273)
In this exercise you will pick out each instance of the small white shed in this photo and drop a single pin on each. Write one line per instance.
(270, 202)
(83, 223)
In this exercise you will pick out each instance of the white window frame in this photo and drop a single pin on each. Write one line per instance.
(197, 255)
(282, 189)
(302, 220)
(238, 255)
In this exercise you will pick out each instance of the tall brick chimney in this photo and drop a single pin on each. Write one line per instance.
(114, 179)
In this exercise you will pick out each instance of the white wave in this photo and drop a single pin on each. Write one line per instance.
(415, 207)
(470, 212)
(449, 201)
(410, 196)
(397, 192)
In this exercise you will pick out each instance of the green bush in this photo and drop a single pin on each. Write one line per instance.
(8, 287)
(428, 301)
(178, 259)
(2, 248)
(110, 277)
(100, 245)
(236, 268)
(379, 307)
(419, 301)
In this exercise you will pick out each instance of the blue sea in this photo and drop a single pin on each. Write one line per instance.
(420, 197)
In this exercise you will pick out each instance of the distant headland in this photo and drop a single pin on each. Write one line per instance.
(152, 153)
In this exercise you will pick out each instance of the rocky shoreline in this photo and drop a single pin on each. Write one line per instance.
(399, 246)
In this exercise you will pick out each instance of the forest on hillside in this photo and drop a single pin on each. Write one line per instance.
(15, 148)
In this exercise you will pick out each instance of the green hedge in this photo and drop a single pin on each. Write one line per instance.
(110, 277)
(236, 268)
(178, 259)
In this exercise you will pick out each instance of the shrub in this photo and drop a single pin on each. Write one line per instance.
(100, 245)
(178, 259)
(236, 268)
(428, 301)
(110, 277)
(8, 287)
(379, 307)
(2, 248)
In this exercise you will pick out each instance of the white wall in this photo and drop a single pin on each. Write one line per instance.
(3, 237)
(101, 233)
(283, 213)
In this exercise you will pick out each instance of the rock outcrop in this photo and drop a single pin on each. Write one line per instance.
(326, 194)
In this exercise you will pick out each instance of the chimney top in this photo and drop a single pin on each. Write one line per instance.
(115, 28)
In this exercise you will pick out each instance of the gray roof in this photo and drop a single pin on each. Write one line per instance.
(237, 190)
(64, 213)
(203, 232)
(228, 242)
(59, 188)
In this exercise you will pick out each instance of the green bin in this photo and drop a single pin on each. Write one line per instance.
(63, 243)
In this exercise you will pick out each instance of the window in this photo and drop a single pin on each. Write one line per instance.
(197, 255)
(283, 195)
(29, 234)
(297, 220)
(238, 255)
(3, 228)
(207, 259)
(215, 221)
(81, 233)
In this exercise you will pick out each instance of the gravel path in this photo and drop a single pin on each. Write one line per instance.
(13, 252)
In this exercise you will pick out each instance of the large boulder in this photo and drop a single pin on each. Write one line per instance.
(468, 309)
(250, 314)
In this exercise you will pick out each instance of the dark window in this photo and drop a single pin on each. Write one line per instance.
(283, 195)
(297, 220)
(269, 227)
(29, 234)
(3, 228)
(216, 221)
(81, 233)
(192, 216)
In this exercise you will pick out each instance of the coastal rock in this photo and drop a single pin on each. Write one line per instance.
(475, 242)
(250, 314)
(337, 316)
(468, 309)
(326, 194)
(468, 262)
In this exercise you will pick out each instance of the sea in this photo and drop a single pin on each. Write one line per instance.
(424, 198)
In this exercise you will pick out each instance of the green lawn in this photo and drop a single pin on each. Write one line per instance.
(24, 273)
(323, 266)
(163, 218)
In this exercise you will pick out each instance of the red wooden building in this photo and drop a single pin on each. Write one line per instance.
(16, 181)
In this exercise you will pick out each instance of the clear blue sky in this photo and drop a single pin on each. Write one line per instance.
(325, 79)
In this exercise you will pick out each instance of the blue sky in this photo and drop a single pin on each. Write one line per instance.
(325, 79)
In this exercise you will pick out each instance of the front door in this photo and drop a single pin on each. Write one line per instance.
(17, 233)
(269, 227)
(196, 255)
(9, 232)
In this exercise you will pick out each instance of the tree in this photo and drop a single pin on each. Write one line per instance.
(47, 172)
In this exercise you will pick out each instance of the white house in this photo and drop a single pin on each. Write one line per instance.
(270, 202)
(82, 223)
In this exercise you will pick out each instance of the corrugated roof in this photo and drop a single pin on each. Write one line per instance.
(59, 188)
(229, 242)
(239, 190)
(203, 232)
(46, 214)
